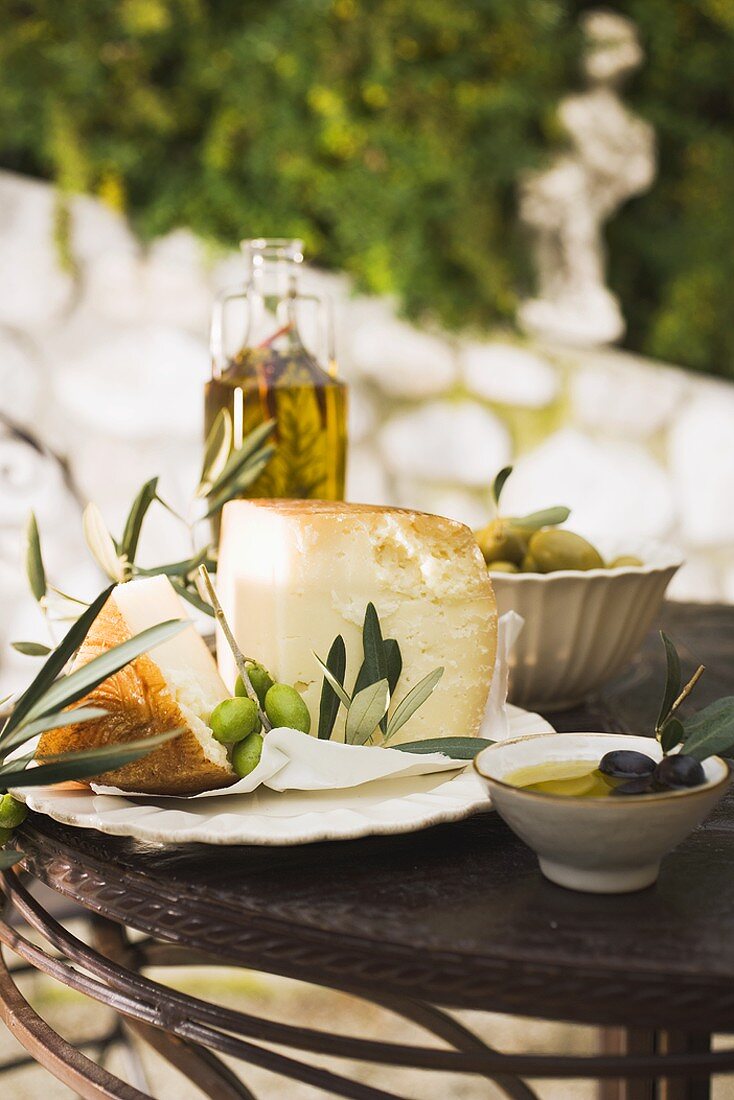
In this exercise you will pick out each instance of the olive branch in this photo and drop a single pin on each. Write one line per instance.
(368, 706)
(709, 732)
(48, 704)
(547, 517)
(225, 474)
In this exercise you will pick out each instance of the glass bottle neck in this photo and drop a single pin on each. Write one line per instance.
(272, 278)
(271, 292)
(268, 310)
(272, 265)
(277, 279)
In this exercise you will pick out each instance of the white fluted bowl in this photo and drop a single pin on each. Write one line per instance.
(581, 627)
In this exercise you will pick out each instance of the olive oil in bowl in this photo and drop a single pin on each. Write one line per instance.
(573, 778)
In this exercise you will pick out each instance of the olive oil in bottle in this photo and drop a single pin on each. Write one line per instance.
(262, 370)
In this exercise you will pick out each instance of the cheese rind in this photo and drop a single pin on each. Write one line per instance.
(294, 574)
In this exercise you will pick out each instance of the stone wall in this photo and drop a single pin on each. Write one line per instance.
(103, 358)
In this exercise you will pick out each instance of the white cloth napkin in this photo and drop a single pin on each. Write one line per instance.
(295, 761)
(496, 722)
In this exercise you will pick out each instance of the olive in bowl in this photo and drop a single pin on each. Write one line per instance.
(586, 607)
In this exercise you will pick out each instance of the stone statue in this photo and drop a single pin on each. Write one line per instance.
(611, 157)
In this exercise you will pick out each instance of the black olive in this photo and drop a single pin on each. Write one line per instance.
(626, 764)
(679, 771)
(643, 784)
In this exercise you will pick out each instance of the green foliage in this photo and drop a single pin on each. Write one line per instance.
(672, 250)
(389, 135)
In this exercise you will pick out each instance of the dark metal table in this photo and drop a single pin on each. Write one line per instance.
(457, 916)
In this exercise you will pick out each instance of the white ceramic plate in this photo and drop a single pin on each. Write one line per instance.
(270, 817)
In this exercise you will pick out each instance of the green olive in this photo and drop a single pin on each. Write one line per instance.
(500, 541)
(529, 564)
(260, 679)
(234, 719)
(285, 707)
(246, 754)
(503, 567)
(5, 835)
(12, 812)
(524, 532)
(625, 559)
(553, 549)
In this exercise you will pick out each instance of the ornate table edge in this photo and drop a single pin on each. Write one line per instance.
(265, 943)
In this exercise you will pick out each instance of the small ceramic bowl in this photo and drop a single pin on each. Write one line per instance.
(599, 845)
(581, 627)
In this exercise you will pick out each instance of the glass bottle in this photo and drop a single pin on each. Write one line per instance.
(268, 345)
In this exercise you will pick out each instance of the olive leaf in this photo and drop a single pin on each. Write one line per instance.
(458, 748)
(192, 596)
(31, 649)
(499, 483)
(548, 517)
(414, 699)
(374, 664)
(134, 522)
(250, 471)
(671, 734)
(34, 560)
(53, 721)
(56, 663)
(68, 689)
(367, 708)
(101, 544)
(181, 568)
(336, 662)
(67, 597)
(672, 680)
(382, 657)
(171, 510)
(336, 686)
(710, 732)
(9, 858)
(393, 662)
(73, 716)
(216, 452)
(84, 764)
(251, 445)
(247, 475)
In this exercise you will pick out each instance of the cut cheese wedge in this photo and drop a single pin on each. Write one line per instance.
(176, 684)
(294, 574)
